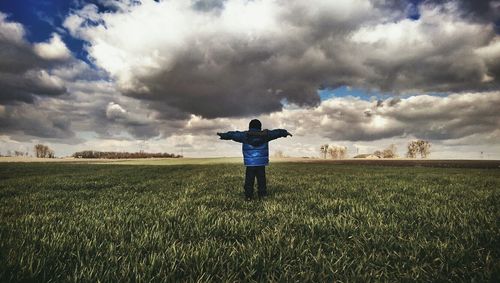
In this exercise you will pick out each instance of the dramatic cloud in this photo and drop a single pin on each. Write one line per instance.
(33, 78)
(457, 117)
(25, 68)
(436, 53)
(96, 107)
(457, 120)
(430, 117)
(25, 120)
(167, 75)
(93, 109)
(251, 56)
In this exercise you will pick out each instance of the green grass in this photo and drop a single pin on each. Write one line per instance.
(321, 222)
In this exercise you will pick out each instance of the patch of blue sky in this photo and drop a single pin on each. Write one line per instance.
(42, 18)
(412, 10)
(346, 91)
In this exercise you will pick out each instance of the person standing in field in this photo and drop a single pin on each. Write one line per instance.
(255, 153)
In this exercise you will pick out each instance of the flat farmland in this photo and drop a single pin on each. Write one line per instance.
(322, 221)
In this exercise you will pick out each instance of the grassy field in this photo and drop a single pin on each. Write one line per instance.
(321, 222)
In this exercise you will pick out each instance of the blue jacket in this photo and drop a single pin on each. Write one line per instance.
(255, 144)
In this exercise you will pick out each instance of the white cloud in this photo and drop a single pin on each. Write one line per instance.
(11, 31)
(54, 49)
(74, 22)
(438, 52)
(233, 52)
(143, 44)
(115, 111)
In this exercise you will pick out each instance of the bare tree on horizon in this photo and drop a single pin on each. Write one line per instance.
(43, 151)
(417, 147)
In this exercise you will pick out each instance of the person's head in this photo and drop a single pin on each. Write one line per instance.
(255, 124)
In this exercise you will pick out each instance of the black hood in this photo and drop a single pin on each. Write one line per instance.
(256, 137)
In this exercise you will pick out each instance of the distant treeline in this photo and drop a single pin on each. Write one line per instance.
(122, 155)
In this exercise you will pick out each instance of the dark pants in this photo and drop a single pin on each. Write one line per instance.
(250, 174)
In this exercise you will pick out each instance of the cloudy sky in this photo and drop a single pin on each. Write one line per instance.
(130, 75)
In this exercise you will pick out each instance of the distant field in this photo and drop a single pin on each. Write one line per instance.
(323, 221)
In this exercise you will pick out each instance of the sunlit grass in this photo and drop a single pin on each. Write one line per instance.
(321, 222)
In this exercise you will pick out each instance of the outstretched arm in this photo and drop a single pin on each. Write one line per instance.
(236, 136)
(278, 133)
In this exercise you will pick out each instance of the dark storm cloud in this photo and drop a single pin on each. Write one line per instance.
(24, 73)
(138, 125)
(225, 73)
(241, 87)
(25, 120)
(478, 10)
(221, 65)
